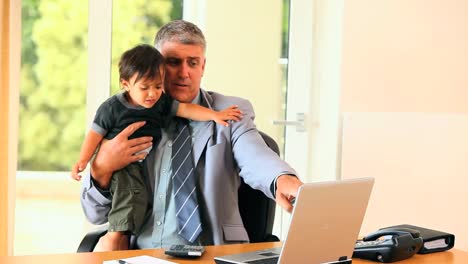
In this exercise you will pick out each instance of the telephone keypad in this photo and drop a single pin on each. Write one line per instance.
(360, 244)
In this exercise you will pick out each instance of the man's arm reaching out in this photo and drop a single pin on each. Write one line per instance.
(287, 187)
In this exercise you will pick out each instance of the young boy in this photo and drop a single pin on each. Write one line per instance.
(141, 72)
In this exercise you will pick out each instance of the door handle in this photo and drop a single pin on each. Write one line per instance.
(299, 123)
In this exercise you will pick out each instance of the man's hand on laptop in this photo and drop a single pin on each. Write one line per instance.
(286, 190)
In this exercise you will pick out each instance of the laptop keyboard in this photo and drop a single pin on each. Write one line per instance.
(264, 261)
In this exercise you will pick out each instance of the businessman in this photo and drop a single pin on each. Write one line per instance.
(220, 155)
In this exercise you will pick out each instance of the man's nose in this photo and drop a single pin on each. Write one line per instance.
(183, 70)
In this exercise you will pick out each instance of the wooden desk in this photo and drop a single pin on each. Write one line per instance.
(448, 257)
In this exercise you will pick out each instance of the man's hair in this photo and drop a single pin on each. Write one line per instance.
(142, 59)
(180, 31)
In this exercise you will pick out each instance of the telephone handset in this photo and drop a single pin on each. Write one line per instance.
(391, 231)
(389, 245)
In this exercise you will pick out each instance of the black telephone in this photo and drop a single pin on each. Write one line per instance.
(403, 243)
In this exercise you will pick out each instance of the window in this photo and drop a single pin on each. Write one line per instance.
(52, 124)
(54, 80)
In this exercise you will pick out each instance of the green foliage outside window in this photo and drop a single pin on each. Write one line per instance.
(131, 30)
(285, 29)
(54, 71)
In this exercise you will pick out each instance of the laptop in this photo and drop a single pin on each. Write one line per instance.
(325, 225)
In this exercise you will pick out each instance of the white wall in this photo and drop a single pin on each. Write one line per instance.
(405, 56)
(419, 161)
(404, 87)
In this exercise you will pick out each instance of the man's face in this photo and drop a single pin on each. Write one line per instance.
(185, 65)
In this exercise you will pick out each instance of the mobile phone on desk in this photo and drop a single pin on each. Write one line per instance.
(185, 251)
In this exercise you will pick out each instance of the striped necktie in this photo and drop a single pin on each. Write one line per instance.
(184, 183)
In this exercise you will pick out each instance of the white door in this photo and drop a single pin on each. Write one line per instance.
(312, 138)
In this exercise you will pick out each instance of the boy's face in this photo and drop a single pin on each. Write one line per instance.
(144, 92)
(185, 65)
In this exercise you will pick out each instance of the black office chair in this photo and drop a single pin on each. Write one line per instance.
(257, 212)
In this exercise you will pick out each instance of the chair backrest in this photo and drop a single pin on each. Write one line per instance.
(257, 210)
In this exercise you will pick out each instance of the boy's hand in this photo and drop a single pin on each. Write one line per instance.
(77, 168)
(230, 113)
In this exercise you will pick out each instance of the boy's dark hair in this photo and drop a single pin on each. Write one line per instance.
(142, 59)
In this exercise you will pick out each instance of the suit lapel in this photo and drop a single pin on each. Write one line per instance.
(208, 129)
(201, 140)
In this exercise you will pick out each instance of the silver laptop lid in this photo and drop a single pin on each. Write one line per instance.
(326, 221)
(325, 225)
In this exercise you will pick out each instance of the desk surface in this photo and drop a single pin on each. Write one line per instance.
(448, 257)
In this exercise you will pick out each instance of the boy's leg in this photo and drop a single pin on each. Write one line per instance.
(129, 205)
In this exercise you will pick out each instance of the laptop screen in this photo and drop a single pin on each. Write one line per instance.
(325, 224)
